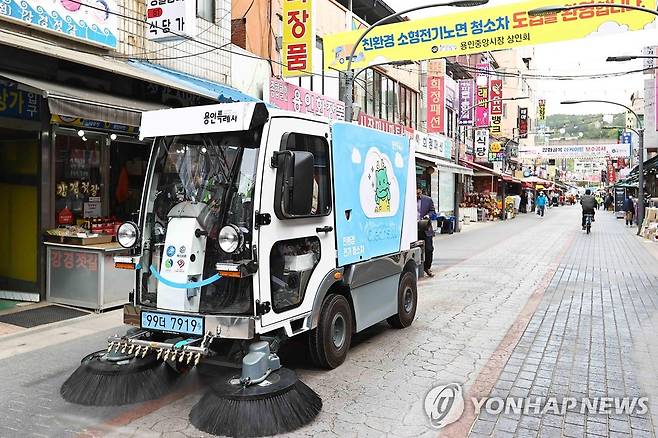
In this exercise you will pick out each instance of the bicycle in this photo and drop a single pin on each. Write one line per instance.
(588, 222)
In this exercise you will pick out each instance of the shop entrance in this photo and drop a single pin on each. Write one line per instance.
(19, 192)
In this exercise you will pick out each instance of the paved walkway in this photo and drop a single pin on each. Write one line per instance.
(527, 306)
(593, 335)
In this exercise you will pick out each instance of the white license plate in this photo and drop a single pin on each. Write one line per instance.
(167, 322)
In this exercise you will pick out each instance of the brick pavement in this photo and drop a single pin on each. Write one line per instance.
(593, 335)
(491, 283)
(487, 277)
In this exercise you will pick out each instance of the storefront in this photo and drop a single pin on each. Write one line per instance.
(71, 169)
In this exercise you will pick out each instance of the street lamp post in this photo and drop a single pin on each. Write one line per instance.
(640, 131)
(349, 75)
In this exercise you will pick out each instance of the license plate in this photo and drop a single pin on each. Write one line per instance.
(167, 322)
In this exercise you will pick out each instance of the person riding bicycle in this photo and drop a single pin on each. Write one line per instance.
(589, 204)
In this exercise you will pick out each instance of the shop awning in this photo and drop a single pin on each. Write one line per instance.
(70, 101)
(223, 93)
(445, 165)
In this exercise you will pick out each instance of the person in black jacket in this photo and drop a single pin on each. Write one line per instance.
(426, 211)
(629, 209)
(589, 204)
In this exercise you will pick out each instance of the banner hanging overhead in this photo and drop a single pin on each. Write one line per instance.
(298, 39)
(481, 145)
(478, 30)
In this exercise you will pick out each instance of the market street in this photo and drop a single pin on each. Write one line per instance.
(589, 304)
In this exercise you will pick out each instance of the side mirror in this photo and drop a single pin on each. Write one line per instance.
(295, 177)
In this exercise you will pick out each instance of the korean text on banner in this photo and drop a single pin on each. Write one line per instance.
(523, 122)
(435, 104)
(479, 30)
(496, 95)
(300, 100)
(496, 152)
(298, 39)
(465, 94)
(482, 96)
(481, 145)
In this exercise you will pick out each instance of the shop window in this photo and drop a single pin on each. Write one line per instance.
(319, 147)
(78, 177)
(291, 265)
(206, 9)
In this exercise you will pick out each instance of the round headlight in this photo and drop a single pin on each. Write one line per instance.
(230, 238)
(127, 234)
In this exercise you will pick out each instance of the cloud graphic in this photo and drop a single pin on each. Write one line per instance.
(609, 28)
(399, 162)
(356, 156)
(651, 26)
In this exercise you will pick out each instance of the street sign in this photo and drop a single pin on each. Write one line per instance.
(478, 30)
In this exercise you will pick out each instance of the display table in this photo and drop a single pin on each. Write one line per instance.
(85, 276)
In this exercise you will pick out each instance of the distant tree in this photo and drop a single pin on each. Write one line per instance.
(571, 125)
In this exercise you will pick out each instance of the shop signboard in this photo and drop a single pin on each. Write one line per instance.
(383, 125)
(450, 92)
(496, 96)
(427, 144)
(541, 110)
(481, 146)
(18, 104)
(478, 30)
(78, 122)
(170, 20)
(92, 21)
(576, 151)
(523, 122)
(496, 152)
(435, 104)
(298, 38)
(290, 97)
(482, 95)
(612, 173)
(465, 94)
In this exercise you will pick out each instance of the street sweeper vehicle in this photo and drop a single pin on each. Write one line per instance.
(257, 225)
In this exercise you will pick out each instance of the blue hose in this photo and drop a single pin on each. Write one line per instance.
(190, 285)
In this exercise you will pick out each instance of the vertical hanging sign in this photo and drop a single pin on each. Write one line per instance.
(435, 104)
(523, 123)
(541, 111)
(481, 145)
(496, 95)
(298, 40)
(482, 96)
(465, 95)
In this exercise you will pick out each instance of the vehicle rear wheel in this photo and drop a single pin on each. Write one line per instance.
(330, 341)
(407, 302)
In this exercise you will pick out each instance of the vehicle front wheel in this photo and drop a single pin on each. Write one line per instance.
(407, 302)
(329, 342)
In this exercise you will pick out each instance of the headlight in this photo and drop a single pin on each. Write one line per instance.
(230, 238)
(127, 234)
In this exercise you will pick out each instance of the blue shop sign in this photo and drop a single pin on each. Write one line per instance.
(18, 104)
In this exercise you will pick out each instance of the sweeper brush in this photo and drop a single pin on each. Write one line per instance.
(112, 378)
(280, 404)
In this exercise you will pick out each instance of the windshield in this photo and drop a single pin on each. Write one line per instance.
(216, 174)
(213, 169)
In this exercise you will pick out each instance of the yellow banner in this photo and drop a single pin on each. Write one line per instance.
(297, 55)
(480, 29)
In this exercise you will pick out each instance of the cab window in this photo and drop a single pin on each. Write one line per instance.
(319, 147)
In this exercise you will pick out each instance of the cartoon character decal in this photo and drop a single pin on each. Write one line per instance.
(379, 190)
(382, 189)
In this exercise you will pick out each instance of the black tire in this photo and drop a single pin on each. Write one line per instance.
(588, 228)
(407, 302)
(326, 350)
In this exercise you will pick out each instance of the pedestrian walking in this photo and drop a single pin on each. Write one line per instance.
(629, 210)
(529, 207)
(426, 213)
(608, 201)
(540, 203)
